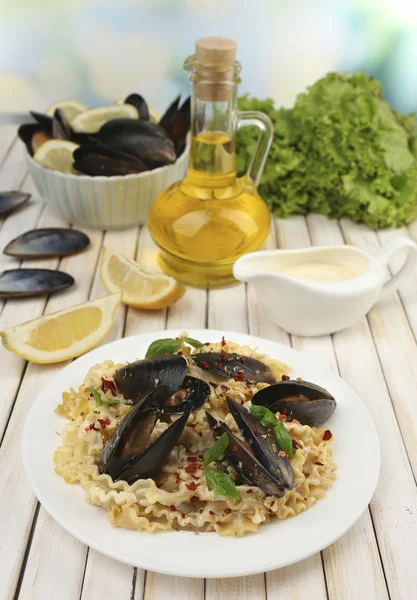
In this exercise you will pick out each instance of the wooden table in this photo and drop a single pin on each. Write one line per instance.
(376, 559)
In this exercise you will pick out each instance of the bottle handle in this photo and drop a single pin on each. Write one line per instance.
(408, 267)
(249, 118)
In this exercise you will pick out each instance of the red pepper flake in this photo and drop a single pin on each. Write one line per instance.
(92, 426)
(235, 448)
(204, 364)
(192, 459)
(238, 376)
(216, 364)
(183, 515)
(191, 486)
(225, 388)
(243, 358)
(272, 503)
(207, 343)
(178, 478)
(327, 435)
(222, 356)
(284, 411)
(249, 491)
(107, 384)
(172, 507)
(177, 338)
(167, 353)
(194, 499)
(104, 422)
(285, 378)
(230, 358)
(319, 463)
(211, 513)
(295, 444)
(282, 417)
(192, 468)
(180, 352)
(223, 341)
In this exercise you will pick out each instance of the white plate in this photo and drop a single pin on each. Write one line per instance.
(280, 543)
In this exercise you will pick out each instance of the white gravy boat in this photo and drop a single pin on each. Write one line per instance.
(309, 307)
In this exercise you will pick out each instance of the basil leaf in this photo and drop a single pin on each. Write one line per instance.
(99, 400)
(159, 347)
(192, 342)
(220, 483)
(283, 438)
(216, 450)
(267, 418)
(264, 415)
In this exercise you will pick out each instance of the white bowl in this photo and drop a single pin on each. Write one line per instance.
(104, 202)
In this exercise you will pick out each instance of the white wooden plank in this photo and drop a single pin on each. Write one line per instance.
(13, 169)
(17, 500)
(394, 502)
(396, 346)
(163, 587)
(298, 582)
(237, 588)
(7, 137)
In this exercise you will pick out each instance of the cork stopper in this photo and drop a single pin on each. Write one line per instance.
(218, 51)
(215, 57)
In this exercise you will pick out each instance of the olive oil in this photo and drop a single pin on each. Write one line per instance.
(203, 223)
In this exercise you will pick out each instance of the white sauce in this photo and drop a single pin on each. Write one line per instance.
(321, 271)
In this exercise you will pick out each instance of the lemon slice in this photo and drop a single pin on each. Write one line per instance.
(56, 155)
(64, 334)
(141, 287)
(90, 121)
(70, 108)
(154, 115)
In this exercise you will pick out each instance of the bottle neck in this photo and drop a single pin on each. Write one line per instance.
(213, 132)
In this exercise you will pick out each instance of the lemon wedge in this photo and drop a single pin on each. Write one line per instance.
(70, 108)
(90, 121)
(64, 334)
(56, 155)
(141, 287)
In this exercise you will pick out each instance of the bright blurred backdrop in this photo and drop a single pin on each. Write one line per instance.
(100, 50)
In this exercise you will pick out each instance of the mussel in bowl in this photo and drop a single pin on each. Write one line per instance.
(234, 366)
(304, 401)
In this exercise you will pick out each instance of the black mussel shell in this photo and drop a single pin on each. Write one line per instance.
(96, 160)
(170, 115)
(143, 139)
(263, 444)
(153, 458)
(47, 242)
(132, 435)
(192, 394)
(10, 201)
(235, 366)
(304, 401)
(250, 469)
(61, 129)
(178, 127)
(142, 376)
(44, 120)
(33, 136)
(20, 283)
(139, 103)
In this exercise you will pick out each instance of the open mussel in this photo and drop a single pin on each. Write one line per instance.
(47, 242)
(235, 366)
(128, 455)
(98, 160)
(139, 103)
(141, 138)
(192, 394)
(21, 283)
(176, 122)
(10, 201)
(33, 136)
(306, 402)
(260, 461)
(61, 129)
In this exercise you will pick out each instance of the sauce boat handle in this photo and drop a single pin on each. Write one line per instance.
(409, 266)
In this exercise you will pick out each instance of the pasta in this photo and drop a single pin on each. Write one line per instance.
(179, 498)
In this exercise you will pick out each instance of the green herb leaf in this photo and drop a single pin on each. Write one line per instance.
(267, 418)
(283, 438)
(170, 345)
(192, 342)
(216, 450)
(263, 414)
(100, 401)
(220, 483)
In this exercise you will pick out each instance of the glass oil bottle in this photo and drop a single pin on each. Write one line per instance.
(203, 223)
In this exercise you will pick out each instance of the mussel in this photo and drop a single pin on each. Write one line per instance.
(34, 135)
(97, 160)
(176, 122)
(260, 461)
(20, 283)
(192, 394)
(235, 366)
(47, 242)
(42, 119)
(139, 103)
(10, 201)
(61, 129)
(306, 402)
(143, 139)
(128, 454)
